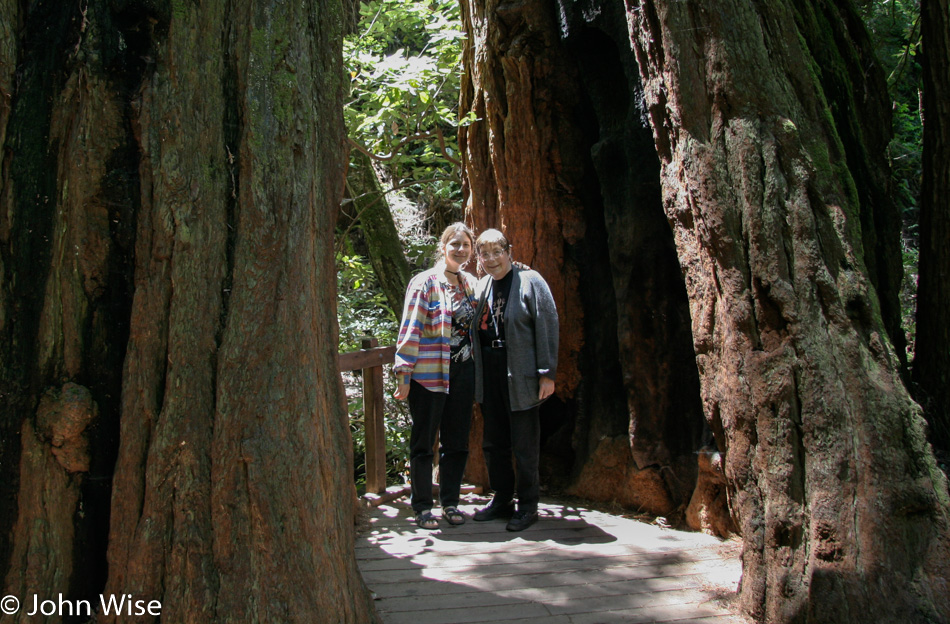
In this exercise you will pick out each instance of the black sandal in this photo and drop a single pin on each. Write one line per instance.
(453, 516)
(425, 520)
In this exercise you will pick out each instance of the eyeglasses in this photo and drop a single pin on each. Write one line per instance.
(491, 255)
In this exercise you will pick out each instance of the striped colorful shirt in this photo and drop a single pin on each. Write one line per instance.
(423, 350)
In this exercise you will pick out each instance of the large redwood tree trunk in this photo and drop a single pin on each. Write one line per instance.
(171, 176)
(932, 349)
(562, 161)
(842, 509)
(67, 204)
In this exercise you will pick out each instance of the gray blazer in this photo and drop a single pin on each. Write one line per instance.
(531, 335)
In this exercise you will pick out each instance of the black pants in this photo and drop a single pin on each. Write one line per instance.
(450, 417)
(509, 433)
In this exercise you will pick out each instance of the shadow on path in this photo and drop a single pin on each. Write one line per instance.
(574, 566)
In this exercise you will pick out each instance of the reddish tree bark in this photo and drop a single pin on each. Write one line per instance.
(561, 161)
(231, 391)
(840, 503)
(62, 304)
(514, 179)
(171, 175)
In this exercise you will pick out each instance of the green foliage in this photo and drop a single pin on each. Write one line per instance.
(420, 250)
(362, 310)
(404, 71)
(895, 29)
(361, 305)
(905, 154)
(404, 65)
(908, 295)
(894, 26)
(398, 426)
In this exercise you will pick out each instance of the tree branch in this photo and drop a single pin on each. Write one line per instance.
(413, 137)
(383, 194)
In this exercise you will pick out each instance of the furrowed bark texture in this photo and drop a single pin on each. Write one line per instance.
(513, 175)
(170, 177)
(628, 240)
(932, 349)
(855, 86)
(64, 318)
(840, 504)
(512, 155)
(228, 503)
(11, 416)
(161, 541)
(562, 160)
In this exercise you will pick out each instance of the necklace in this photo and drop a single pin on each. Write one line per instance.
(458, 280)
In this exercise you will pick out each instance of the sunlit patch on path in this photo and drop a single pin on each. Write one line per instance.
(574, 566)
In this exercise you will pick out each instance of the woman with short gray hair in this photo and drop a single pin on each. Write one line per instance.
(515, 342)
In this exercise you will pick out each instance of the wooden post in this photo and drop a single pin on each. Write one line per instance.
(374, 424)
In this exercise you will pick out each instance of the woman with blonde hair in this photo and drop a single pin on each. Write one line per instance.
(436, 372)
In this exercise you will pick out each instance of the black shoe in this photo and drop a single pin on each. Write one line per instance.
(495, 509)
(522, 520)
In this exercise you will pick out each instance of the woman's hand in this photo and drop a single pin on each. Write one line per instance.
(547, 388)
(402, 391)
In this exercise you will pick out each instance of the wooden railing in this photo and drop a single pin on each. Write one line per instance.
(370, 360)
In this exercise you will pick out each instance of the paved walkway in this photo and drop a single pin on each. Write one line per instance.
(574, 566)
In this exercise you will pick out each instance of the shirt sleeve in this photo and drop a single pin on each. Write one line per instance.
(414, 315)
(545, 326)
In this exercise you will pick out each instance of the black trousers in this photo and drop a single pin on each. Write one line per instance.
(508, 434)
(450, 417)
